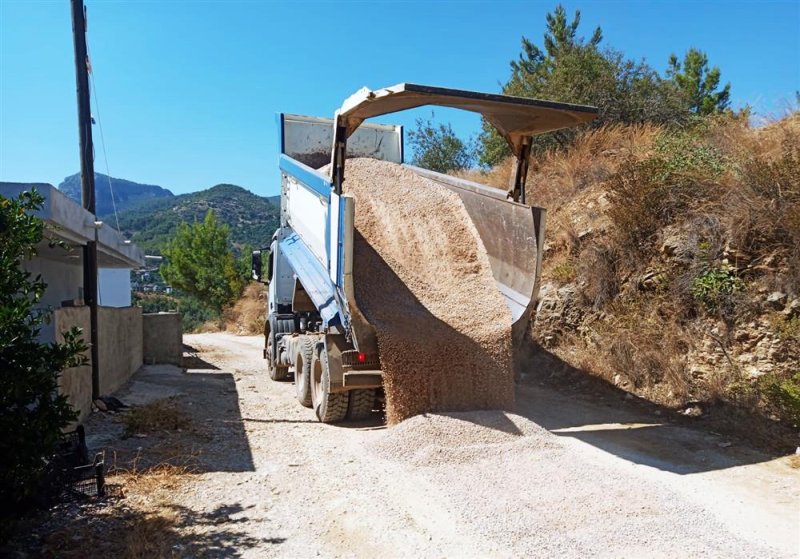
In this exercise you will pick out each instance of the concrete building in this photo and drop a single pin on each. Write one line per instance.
(119, 324)
(62, 269)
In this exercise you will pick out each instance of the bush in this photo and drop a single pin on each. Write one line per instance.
(682, 173)
(565, 272)
(33, 411)
(782, 396)
(766, 209)
(714, 287)
(193, 313)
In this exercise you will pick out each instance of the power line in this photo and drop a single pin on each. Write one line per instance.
(102, 137)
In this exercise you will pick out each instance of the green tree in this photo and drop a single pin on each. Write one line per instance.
(572, 69)
(699, 83)
(33, 412)
(436, 147)
(199, 262)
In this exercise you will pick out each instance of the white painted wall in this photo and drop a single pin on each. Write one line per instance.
(114, 287)
(64, 281)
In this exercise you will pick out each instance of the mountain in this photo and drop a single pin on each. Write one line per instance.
(126, 193)
(252, 219)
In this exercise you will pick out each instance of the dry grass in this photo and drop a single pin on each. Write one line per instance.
(246, 316)
(729, 194)
(145, 523)
(161, 415)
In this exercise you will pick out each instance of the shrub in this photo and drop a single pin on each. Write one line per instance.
(714, 287)
(782, 395)
(565, 272)
(765, 211)
(683, 151)
(33, 411)
(598, 272)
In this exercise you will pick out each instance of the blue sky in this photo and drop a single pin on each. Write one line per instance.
(188, 90)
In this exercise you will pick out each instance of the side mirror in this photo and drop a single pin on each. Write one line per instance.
(255, 265)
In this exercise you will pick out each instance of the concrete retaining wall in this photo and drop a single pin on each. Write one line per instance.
(119, 340)
(75, 383)
(120, 345)
(163, 338)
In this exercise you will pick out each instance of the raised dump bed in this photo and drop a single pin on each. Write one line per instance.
(317, 330)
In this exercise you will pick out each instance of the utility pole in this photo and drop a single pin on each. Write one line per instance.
(87, 179)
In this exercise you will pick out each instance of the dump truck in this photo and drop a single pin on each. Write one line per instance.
(315, 332)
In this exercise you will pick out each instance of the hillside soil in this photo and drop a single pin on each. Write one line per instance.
(237, 468)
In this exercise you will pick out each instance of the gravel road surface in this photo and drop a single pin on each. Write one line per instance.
(563, 477)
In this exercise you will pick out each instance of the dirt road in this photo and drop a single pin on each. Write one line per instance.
(600, 481)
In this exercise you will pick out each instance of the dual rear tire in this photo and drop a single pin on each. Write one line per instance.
(313, 385)
(329, 407)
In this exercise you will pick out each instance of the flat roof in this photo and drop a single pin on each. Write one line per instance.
(75, 225)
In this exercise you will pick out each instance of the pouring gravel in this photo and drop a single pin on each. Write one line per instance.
(424, 282)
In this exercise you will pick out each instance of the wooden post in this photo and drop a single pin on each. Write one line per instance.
(87, 178)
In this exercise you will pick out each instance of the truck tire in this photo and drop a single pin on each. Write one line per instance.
(277, 326)
(303, 357)
(279, 374)
(329, 408)
(362, 403)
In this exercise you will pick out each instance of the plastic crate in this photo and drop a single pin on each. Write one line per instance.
(88, 480)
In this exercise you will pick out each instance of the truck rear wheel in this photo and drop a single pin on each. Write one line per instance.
(304, 355)
(362, 403)
(329, 408)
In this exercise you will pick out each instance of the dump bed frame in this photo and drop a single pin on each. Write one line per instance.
(311, 291)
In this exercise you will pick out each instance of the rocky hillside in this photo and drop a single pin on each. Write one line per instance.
(252, 219)
(126, 193)
(672, 263)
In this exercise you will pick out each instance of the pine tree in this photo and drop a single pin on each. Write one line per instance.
(572, 69)
(699, 82)
(199, 262)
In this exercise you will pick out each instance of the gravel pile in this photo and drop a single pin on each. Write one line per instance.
(461, 438)
(423, 280)
(545, 498)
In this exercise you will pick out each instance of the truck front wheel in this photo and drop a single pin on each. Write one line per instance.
(304, 355)
(277, 373)
(330, 408)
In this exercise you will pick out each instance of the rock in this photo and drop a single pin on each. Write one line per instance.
(100, 405)
(776, 300)
(651, 280)
(792, 309)
(692, 411)
(676, 243)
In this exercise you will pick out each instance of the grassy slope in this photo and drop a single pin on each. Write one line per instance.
(664, 251)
